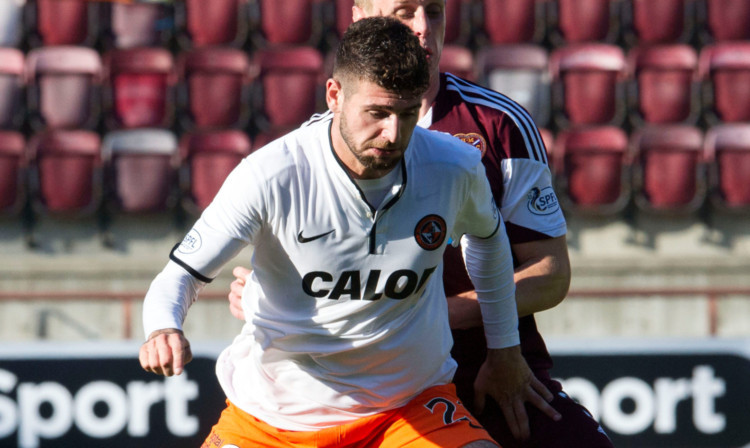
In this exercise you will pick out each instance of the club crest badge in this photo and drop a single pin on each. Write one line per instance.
(430, 232)
(475, 140)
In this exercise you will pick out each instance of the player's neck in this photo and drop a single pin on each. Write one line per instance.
(429, 96)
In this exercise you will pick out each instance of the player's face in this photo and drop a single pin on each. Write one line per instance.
(425, 17)
(372, 126)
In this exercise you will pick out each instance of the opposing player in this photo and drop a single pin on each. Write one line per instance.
(516, 164)
(347, 339)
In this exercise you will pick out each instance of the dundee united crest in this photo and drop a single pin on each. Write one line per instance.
(430, 232)
(475, 140)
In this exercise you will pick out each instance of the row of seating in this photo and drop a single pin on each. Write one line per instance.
(278, 88)
(195, 23)
(597, 170)
(668, 169)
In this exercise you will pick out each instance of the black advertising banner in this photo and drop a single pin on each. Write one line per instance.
(648, 394)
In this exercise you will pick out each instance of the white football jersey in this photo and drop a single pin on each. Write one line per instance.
(346, 314)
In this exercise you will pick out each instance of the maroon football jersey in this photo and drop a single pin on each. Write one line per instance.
(515, 159)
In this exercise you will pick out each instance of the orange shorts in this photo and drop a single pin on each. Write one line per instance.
(435, 418)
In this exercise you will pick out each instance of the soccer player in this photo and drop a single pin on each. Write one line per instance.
(516, 164)
(346, 341)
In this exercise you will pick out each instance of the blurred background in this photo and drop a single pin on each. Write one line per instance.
(120, 120)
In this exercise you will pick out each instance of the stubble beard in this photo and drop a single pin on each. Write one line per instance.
(369, 162)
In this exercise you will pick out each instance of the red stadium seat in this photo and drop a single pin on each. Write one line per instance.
(592, 170)
(728, 154)
(207, 159)
(63, 87)
(511, 21)
(215, 87)
(662, 21)
(139, 87)
(66, 167)
(289, 82)
(580, 21)
(458, 60)
(64, 22)
(519, 71)
(12, 28)
(12, 64)
(301, 19)
(669, 168)
(12, 172)
(664, 87)
(216, 22)
(141, 168)
(724, 69)
(588, 84)
(725, 20)
(132, 25)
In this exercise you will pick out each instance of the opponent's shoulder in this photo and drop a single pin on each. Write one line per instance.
(441, 148)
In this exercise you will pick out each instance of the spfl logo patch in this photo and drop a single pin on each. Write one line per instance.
(191, 243)
(542, 201)
(430, 232)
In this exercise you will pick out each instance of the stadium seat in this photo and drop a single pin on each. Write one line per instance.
(12, 65)
(727, 149)
(141, 170)
(519, 71)
(144, 24)
(458, 60)
(301, 19)
(725, 20)
(63, 22)
(588, 84)
(63, 87)
(724, 69)
(592, 170)
(202, 23)
(510, 21)
(139, 88)
(206, 160)
(12, 172)
(669, 168)
(654, 22)
(581, 21)
(12, 28)
(65, 172)
(342, 11)
(288, 87)
(664, 87)
(214, 87)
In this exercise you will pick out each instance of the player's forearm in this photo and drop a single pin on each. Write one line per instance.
(543, 276)
(168, 298)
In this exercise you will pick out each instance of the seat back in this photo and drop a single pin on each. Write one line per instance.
(289, 80)
(208, 158)
(727, 20)
(664, 77)
(458, 60)
(11, 23)
(662, 21)
(214, 83)
(725, 70)
(12, 62)
(67, 166)
(63, 86)
(592, 169)
(215, 22)
(670, 168)
(66, 22)
(588, 84)
(139, 87)
(519, 71)
(299, 18)
(137, 24)
(141, 169)
(12, 172)
(510, 21)
(579, 21)
(727, 149)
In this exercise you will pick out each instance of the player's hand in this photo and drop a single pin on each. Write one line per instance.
(235, 292)
(165, 352)
(506, 377)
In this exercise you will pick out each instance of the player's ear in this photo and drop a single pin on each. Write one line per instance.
(357, 13)
(334, 94)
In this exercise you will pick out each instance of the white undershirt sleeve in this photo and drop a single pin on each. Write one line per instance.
(171, 293)
(490, 267)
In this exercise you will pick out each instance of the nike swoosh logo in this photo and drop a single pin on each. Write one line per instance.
(307, 239)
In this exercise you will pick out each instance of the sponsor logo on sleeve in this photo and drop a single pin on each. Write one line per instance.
(542, 201)
(191, 243)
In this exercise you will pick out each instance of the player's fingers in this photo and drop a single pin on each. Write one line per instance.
(543, 405)
(143, 356)
(541, 389)
(240, 273)
(522, 421)
(164, 356)
(510, 418)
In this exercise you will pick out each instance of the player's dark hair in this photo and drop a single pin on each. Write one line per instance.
(386, 52)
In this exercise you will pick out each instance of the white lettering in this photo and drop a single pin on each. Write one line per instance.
(117, 409)
(33, 425)
(179, 391)
(670, 393)
(706, 388)
(8, 414)
(612, 413)
(142, 397)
